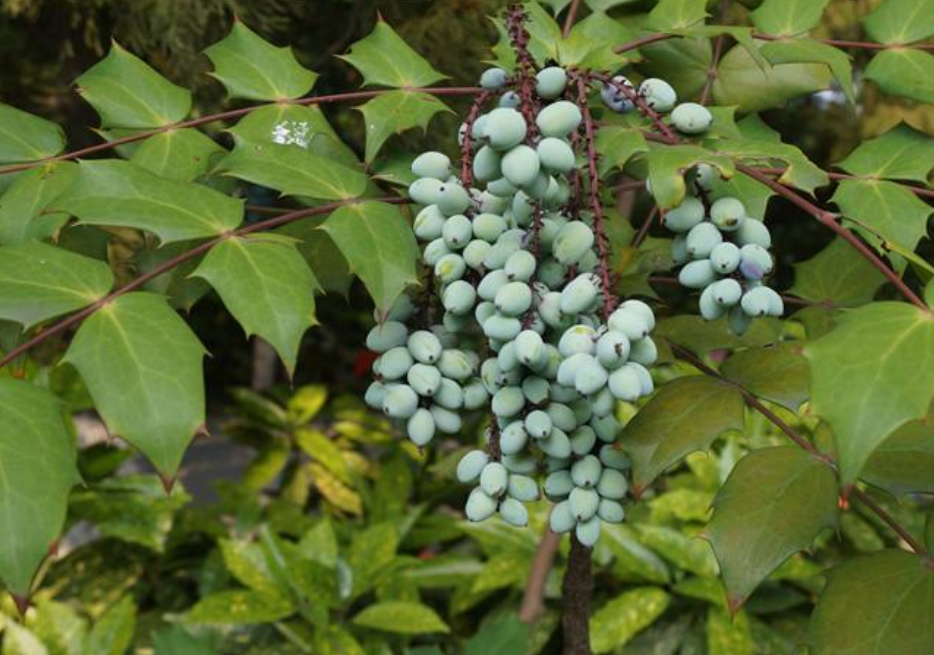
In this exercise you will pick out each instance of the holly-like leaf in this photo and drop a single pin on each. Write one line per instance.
(618, 621)
(900, 22)
(113, 632)
(777, 373)
(24, 137)
(22, 207)
(326, 261)
(180, 155)
(592, 41)
(393, 113)
(384, 58)
(686, 415)
(118, 193)
(667, 166)
(753, 194)
(900, 154)
(904, 463)
(807, 51)
(878, 604)
(616, 145)
(127, 93)
(800, 172)
(682, 62)
(673, 15)
(903, 72)
(37, 468)
(774, 504)
(142, 365)
(402, 618)
(887, 209)
(788, 17)
(837, 274)
(252, 68)
(701, 336)
(871, 374)
(39, 282)
(378, 245)
(267, 286)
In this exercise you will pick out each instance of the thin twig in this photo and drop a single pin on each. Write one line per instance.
(570, 18)
(643, 232)
(533, 600)
(715, 59)
(857, 45)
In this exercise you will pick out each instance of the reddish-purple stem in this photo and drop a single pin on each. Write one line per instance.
(467, 144)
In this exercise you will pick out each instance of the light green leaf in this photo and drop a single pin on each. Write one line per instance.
(807, 51)
(142, 366)
(113, 632)
(903, 72)
(837, 274)
(22, 207)
(248, 564)
(180, 155)
(19, 640)
(879, 604)
(777, 373)
(239, 607)
(686, 415)
(701, 336)
(887, 209)
(667, 165)
(402, 618)
(633, 562)
(729, 635)
(860, 374)
(682, 62)
(904, 463)
(319, 446)
(128, 93)
(900, 154)
(37, 470)
(118, 193)
(267, 286)
(506, 635)
(753, 194)
(177, 641)
(788, 17)
(622, 618)
(371, 553)
(672, 15)
(252, 68)
(900, 22)
(384, 58)
(39, 282)
(591, 42)
(378, 245)
(800, 173)
(24, 137)
(616, 145)
(393, 113)
(685, 551)
(320, 545)
(774, 504)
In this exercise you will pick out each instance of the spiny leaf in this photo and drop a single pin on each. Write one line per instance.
(378, 245)
(887, 209)
(24, 137)
(180, 155)
(39, 282)
(871, 374)
(788, 17)
(142, 366)
(900, 22)
(393, 113)
(670, 15)
(904, 72)
(402, 618)
(267, 286)
(384, 58)
(128, 93)
(777, 373)
(592, 41)
(617, 145)
(667, 166)
(806, 51)
(901, 153)
(118, 193)
(22, 207)
(774, 504)
(37, 470)
(904, 463)
(837, 274)
(252, 68)
(801, 172)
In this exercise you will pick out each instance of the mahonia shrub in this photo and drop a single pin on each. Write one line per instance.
(581, 355)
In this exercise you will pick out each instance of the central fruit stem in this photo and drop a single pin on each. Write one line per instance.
(578, 590)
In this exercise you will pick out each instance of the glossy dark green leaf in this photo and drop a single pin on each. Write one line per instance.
(888, 209)
(24, 137)
(252, 68)
(900, 22)
(395, 112)
(871, 374)
(800, 172)
(774, 504)
(39, 282)
(318, 249)
(902, 153)
(617, 145)
(837, 274)
(672, 15)
(401, 617)
(127, 93)
(701, 336)
(384, 58)
(879, 604)
(903, 72)
(686, 415)
(142, 365)
(777, 373)
(180, 155)
(620, 619)
(592, 41)
(682, 62)
(37, 470)
(904, 463)
(667, 166)
(22, 207)
(807, 51)
(788, 17)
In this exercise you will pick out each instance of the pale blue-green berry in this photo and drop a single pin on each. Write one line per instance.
(523, 488)
(497, 256)
(486, 164)
(514, 512)
(493, 78)
(522, 206)
(493, 479)
(449, 395)
(506, 357)
(612, 484)
(585, 472)
(738, 320)
(776, 304)
(658, 94)
(457, 232)
(538, 424)
(394, 363)
(579, 294)
(374, 395)
(504, 128)
(521, 166)
(709, 308)
(452, 199)
(614, 458)
(513, 298)
(705, 176)
(491, 283)
(432, 164)
(582, 440)
(522, 463)
(691, 118)
(610, 511)
(679, 249)
(459, 297)
(462, 133)
(727, 292)
(551, 272)
(558, 484)
(479, 506)
(508, 401)
(475, 395)
(755, 262)
(570, 365)
(590, 377)
(556, 155)
(602, 402)
(501, 187)
(400, 401)
(582, 410)
(755, 302)
(538, 188)
(435, 251)
(550, 82)
(614, 97)
(455, 364)
(488, 227)
(613, 349)
(421, 427)
(588, 532)
(490, 204)
(558, 119)
(454, 323)
(446, 420)
(751, 231)
(644, 351)
(385, 336)
(562, 416)
(563, 394)
(624, 383)
(577, 339)
(630, 322)
(642, 308)
(556, 444)
(702, 239)
(483, 311)
(450, 268)
(426, 190)
(475, 252)
(424, 379)
(402, 309)
(573, 240)
(520, 266)
(728, 214)
(561, 519)
(549, 308)
(645, 378)
(536, 389)
(725, 257)
(428, 223)
(509, 99)
(606, 427)
(583, 503)
(424, 346)
(529, 347)
(697, 274)
(513, 438)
